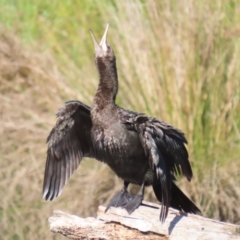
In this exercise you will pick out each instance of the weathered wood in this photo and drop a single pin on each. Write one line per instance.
(75, 227)
(142, 224)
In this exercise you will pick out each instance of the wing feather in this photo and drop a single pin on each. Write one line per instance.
(68, 142)
(158, 163)
(165, 148)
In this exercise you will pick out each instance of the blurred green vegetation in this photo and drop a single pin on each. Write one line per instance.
(178, 61)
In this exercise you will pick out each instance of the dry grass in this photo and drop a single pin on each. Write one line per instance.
(182, 63)
(31, 90)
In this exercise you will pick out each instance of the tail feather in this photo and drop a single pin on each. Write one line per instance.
(178, 200)
(181, 202)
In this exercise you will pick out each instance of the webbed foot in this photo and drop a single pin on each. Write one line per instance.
(133, 204)
(121, 198)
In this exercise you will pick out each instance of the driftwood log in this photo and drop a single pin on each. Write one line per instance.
(141, 224)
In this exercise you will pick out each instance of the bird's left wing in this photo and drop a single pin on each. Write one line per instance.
(68, 142)
(165, 149)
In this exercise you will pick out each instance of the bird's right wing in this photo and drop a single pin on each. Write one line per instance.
(68, 142)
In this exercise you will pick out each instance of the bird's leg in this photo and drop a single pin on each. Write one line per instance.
(134, 203)
(121, 198)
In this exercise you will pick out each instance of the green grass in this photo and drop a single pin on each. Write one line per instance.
(176, 61)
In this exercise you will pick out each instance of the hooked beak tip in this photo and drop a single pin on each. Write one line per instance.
(102, 46)
(103, 42)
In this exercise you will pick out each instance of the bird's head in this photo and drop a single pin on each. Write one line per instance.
(103, 50)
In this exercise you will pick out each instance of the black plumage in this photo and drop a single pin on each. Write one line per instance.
(139, 149)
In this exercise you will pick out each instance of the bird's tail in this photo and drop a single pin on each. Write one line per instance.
(178, 199)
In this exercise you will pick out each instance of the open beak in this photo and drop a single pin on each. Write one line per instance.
(102, 46)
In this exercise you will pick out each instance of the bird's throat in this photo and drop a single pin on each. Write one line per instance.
(108, 82)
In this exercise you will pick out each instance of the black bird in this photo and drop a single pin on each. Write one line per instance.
(139, 149)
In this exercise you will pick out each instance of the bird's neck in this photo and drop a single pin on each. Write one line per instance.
(108, 82)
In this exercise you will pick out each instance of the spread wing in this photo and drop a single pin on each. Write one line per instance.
(165, 148)
(68, 142)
